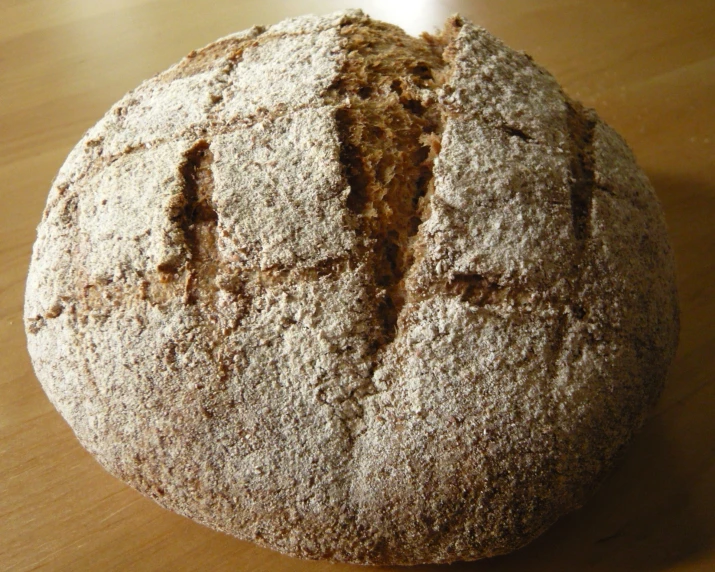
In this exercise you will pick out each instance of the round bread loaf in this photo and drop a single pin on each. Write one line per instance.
(354, 295)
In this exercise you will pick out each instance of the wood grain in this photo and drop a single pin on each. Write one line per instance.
(649, 70)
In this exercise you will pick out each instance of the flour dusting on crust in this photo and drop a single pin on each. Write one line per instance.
(354, 295)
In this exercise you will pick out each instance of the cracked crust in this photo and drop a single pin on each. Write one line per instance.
(354, 295)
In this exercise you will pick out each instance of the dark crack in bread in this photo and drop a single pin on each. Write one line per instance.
(354, 295)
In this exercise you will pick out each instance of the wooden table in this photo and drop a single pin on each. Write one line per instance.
(648, 67)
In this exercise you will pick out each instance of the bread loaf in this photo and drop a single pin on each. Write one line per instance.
(354, 295)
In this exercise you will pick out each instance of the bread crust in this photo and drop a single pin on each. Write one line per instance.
(262, 317)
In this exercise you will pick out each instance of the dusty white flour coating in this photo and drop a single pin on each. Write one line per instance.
(202, 308)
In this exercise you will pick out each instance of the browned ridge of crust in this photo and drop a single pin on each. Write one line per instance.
(199, 219)
(390, 135)
(581, 130)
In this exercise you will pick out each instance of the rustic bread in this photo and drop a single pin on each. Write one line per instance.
(354, 295)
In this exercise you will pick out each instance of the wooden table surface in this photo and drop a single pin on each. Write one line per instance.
(648, 68)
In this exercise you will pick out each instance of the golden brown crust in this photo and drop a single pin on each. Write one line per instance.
(390, 126)
(354, 295)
